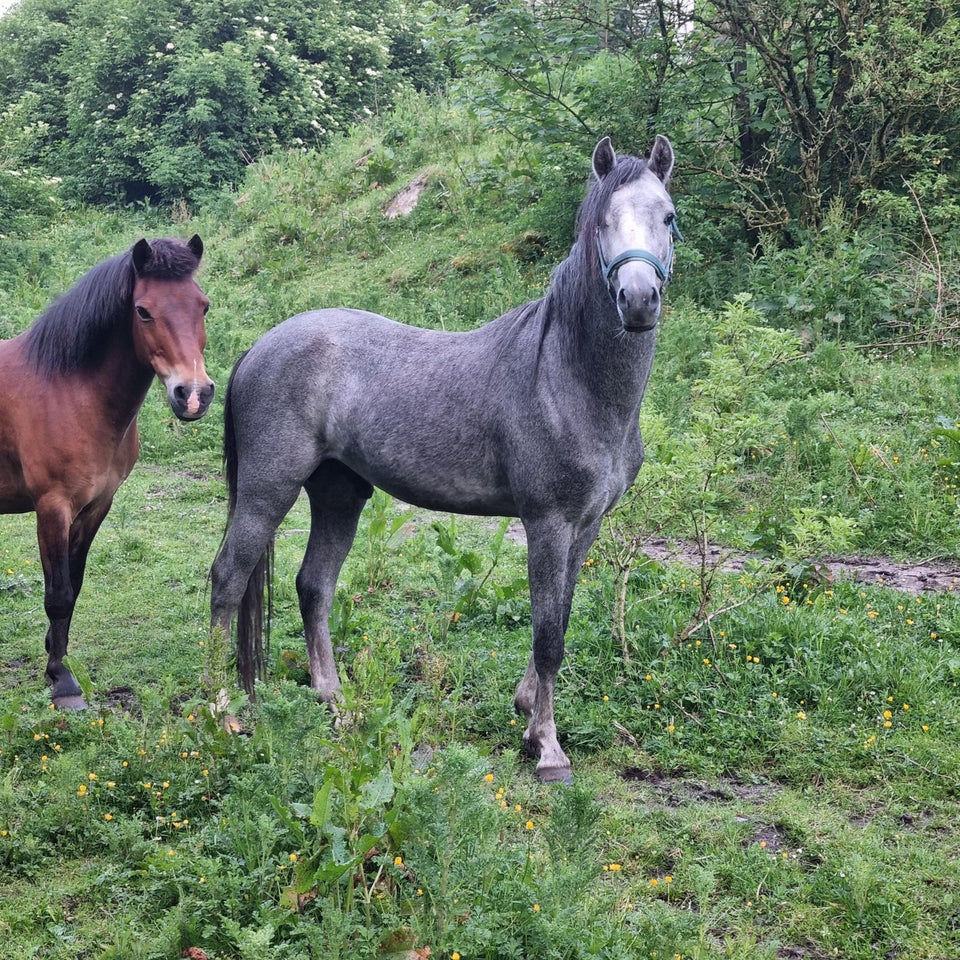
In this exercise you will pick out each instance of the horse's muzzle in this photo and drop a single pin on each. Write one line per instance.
(190, 401)
(640, 328)
(638, 305)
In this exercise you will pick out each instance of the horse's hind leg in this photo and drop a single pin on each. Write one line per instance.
(337, 496)
(255, 519)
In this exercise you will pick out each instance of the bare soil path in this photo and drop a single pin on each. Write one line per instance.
(921, 576)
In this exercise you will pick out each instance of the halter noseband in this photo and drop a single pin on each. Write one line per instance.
(662, 269)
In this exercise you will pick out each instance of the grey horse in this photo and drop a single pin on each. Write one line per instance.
(533, 415)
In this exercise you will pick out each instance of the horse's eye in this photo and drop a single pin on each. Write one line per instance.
(143, 313)
(670, 219)
(206, 307)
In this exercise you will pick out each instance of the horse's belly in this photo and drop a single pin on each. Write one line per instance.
(436, 463)
(452, 495)
(12, 501)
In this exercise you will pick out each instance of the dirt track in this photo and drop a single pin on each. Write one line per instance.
(920, 577)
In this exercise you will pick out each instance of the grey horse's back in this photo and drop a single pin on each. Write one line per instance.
(419, 413)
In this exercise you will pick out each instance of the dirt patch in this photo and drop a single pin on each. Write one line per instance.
(405, 202)
(908, 577)
(674, 792)
(922, 576)
(122, 700)
(801, 953)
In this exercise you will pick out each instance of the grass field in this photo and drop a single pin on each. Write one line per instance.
(765, 758)
(780, 784)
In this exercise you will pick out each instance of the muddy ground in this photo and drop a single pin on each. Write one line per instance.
(921, 576)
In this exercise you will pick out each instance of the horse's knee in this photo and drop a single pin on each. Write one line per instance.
(58, 602)
(308, 590)
(548, 654)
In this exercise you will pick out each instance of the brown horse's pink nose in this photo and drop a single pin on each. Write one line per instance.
(190, 401)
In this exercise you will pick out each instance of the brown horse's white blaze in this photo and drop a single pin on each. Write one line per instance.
(86, 364)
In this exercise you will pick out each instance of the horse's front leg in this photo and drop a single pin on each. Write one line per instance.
(555, 554)
(59, 600)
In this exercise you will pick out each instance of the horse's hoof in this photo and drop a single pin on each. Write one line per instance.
(71, 702)
(553, 768)
(553, 774)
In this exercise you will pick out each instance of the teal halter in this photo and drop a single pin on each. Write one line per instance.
(662, 269)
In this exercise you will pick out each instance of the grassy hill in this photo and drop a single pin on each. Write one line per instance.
(766, 758)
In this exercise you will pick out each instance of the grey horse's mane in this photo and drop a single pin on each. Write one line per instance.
(576, 285)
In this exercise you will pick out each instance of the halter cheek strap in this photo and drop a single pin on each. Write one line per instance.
(662, 269)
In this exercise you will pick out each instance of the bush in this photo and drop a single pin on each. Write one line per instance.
(835, 285)
(171, 100)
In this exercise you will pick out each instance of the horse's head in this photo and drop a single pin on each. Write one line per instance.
(636, 233)
(168, 327)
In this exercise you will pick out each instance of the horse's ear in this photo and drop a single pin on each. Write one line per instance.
(661, 159)
(196, 245)
(604, 159)
(141, 253)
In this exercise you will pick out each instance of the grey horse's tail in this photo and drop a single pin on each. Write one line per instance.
(253, 615)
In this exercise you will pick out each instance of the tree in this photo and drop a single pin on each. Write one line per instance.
(561, 69)
(126, 100)
(780, 107)
(829, 100)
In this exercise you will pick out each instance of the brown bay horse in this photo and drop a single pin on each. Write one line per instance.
(71, 387)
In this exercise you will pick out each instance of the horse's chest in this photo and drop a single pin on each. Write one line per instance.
(593, 477)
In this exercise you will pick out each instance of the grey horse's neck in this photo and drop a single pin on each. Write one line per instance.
(580, 330)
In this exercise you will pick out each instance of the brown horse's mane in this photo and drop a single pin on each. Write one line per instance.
(73, 332)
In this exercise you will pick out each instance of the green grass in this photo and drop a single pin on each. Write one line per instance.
(737, 794)
(765, 760)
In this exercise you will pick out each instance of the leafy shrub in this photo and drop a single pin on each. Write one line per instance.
(174, 100)
(832, 286)
(26, 200)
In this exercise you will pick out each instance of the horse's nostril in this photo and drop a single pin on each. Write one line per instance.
(648, 299)
(182, 393)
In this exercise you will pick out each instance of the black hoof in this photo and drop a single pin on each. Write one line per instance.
(65, 692)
